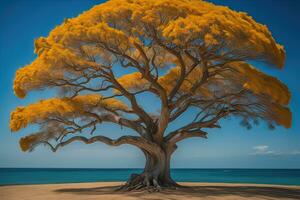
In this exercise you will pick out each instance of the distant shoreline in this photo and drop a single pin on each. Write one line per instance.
(106, 190)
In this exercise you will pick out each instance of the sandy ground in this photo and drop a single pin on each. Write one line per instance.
(105, 191)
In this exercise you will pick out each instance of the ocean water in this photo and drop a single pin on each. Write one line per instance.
(13, 176)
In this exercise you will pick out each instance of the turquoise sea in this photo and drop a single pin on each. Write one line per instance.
(13, 176)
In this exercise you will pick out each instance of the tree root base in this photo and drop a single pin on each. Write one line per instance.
(147, 182)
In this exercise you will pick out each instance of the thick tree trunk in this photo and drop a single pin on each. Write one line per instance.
(156, 173)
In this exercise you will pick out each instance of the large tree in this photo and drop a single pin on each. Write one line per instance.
(192, 55)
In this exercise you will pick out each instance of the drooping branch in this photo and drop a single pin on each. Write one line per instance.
(132, 140)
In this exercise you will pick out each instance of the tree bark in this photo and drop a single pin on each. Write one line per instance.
(156, 173)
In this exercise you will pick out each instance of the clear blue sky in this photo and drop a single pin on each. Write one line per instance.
(21, 21)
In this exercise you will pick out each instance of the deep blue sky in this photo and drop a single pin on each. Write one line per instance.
(21, 21)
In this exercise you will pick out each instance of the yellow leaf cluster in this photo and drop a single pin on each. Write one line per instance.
(261, 83)
(220, 25)
(276, 93)
(64, 107)
(52, 64)
(133, 81)
(169, 80)
(281, 115)
(26, 142)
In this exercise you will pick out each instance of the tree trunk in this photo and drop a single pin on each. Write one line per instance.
(156, 173)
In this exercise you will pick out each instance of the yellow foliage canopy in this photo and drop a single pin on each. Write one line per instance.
(64, 108)
(119, 24)
(151, 35)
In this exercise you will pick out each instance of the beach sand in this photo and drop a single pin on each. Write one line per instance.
(105, 191)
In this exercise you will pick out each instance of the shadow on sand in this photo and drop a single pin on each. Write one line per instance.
(263, 192)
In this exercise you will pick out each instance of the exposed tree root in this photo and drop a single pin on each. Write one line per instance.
(146, 181)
